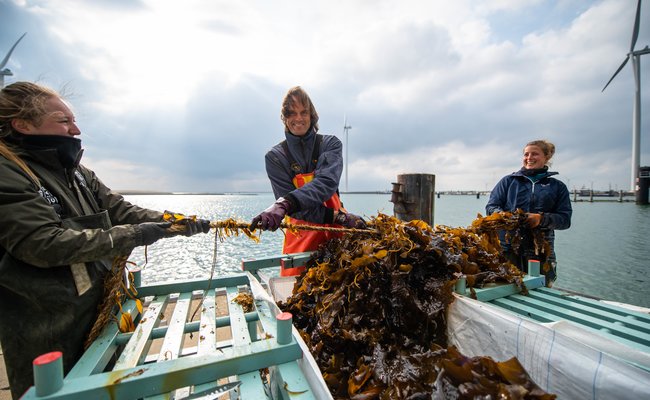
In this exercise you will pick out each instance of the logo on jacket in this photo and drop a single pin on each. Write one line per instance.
(80, 178)
(52, 200)
(49, 197)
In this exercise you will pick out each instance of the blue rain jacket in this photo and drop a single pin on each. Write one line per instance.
(307, 200)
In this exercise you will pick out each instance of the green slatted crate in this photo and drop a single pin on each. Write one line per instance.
(263, 357)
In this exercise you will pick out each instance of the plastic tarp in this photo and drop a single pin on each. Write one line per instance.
(307, 364)
(561, 357)
(280, 287)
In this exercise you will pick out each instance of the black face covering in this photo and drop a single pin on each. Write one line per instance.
(68, 148)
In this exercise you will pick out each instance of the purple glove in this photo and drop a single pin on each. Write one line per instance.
(271, 218)
(348, 220)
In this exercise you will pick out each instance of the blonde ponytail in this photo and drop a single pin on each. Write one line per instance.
(26, 101)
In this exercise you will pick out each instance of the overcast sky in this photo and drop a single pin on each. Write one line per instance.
(185, 95)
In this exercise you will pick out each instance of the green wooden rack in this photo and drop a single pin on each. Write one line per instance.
(542, 304)
(264, 357)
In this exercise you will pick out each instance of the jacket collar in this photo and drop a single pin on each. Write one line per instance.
(306, 138)
(546, 175)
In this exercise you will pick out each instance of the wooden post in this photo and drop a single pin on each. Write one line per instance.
(413, 197)
(284, 323)
(461, 285)
(533, 268)
(48, 373)
(642, 185)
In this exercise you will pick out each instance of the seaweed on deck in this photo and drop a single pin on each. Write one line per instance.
(371, 309)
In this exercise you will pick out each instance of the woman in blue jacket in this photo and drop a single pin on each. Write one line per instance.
(546, 202)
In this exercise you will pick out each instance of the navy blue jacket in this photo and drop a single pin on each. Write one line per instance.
(307, 201)
(547, 196)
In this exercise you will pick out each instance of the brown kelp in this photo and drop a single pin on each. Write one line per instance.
(371, 309)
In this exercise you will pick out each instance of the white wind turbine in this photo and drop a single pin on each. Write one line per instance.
(635, 56)
(5, 71)
(346, 128)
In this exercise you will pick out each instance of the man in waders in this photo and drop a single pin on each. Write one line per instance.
(304, 170)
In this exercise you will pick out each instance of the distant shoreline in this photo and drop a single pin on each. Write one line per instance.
(575, 195)
(155, 193)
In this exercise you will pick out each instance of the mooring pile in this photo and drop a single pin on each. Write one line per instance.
(371, 309)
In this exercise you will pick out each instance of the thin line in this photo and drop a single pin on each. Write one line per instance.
(214, 266)
(593, 386)
(518, 328)
(548, 361)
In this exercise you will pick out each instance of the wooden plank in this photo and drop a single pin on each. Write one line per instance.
(208, 324)
(291, 382)
(175, 368)
(208, 332)
(267, 319)
(137, 347)
(608, 314)
(238, 324)
(580, 315)
(194, 326)
(297, 259)
(252, 386)
(538, 311)
(189, 286)
(641, 320)
(156, 378)
(100, 352)
(506, 289)
(173, 342)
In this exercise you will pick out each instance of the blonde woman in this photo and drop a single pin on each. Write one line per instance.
(61, 229)
(546, 201)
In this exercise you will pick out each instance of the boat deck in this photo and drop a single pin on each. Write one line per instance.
(262, 357)
(622, 325)
(545, 305)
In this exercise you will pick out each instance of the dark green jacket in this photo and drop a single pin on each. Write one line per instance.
(71, 218)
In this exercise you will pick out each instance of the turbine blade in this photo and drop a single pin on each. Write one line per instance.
(635, 31)
(6, 59)
(615, 73)
(635, 66)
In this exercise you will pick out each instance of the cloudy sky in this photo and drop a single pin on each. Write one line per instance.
(185, 96)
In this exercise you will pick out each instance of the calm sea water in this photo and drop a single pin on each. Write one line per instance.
(605, 253)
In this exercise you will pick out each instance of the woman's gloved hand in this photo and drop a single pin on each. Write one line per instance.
(191, 224)
(148, 233)
(195, 226)
(349, 220)
(533, 219)
(271, 218)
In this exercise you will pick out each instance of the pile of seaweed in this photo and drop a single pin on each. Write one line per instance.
(371, 309)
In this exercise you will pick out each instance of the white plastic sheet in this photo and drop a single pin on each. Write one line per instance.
(307, 364)
(561, 358)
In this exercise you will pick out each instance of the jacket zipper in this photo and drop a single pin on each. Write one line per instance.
(532, 196)
(69, 174)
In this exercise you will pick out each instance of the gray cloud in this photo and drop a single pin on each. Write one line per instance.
(422, 91)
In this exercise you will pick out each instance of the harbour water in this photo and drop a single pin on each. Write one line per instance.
(605, 253)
